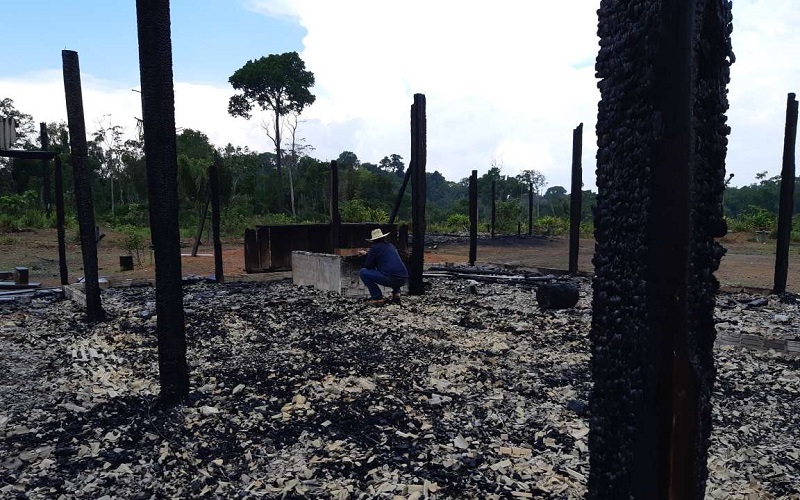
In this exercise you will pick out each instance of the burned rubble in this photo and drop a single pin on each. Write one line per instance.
(301, 393)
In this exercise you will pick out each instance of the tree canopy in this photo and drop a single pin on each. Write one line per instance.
(278, 83)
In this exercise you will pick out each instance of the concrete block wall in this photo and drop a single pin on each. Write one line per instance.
(331, 273)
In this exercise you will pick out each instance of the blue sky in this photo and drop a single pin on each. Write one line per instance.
(211, 38)
(506, 81)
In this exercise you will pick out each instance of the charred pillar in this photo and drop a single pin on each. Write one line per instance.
(473, 217)
(400, 194)
(201, 224)
(62, 246)
(158, 110)
(83, 182)
(787, 197)
(46, 200)
(530, 209)
(418, 194)
(213, 187)
(494, 206)
(663, 68)
(336, 218)
(575, 198)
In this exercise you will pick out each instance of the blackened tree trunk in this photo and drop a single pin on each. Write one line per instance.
(279, 158)
(62, 248)
(473, 217)
(575, 199)
(418, 194)
(787, 197)
(83, 182)
(213, 185)
(530, 209)
(660, 178)
(158, 109)
(336, 217)
(46, 199)
(494, 206)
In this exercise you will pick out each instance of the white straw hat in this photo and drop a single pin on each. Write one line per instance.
(377, 234)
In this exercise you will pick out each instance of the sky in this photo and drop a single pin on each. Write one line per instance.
(505, 82)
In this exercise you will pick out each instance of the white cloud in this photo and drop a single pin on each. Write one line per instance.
(507, 80)
(272, 8)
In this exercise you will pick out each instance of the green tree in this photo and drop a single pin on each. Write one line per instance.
(278, 83)
(110, 147)
(535, 180)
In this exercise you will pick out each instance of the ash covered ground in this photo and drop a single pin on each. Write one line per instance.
(300, 393)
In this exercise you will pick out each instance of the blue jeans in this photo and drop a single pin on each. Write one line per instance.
(372, 278)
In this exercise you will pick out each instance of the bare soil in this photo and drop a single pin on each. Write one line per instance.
(748, 263)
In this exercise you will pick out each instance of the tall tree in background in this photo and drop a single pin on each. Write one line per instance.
(535, 179)
(278, 83)
(110, 141)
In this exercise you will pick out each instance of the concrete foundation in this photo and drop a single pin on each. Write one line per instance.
(332, 273)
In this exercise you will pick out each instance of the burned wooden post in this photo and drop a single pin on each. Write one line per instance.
(336, 217)
(46, 200)
(62, 246)
(213, 187)
(83, 182)
(399, 199)
(787, 197)
(494, 207)
(660, 176)
(473, 217)
(575, 198)
(201, 224)
(158, 110)
(530, 209)
(418, 194)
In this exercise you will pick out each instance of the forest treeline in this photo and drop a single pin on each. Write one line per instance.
(253, 193)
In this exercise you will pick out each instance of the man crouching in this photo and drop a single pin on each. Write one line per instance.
(382, 267)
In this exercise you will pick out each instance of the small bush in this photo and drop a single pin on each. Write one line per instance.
(551, 226)
(135, 241)
(357, 211)
(753, 219)
(33, 219)
(457, 222)
(587, 229)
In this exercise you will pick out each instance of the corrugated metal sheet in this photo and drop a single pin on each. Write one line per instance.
(8, 132)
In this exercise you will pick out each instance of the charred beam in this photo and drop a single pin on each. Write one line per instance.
(473, 217)
(83, 182)
(575, 198)
(62, 248)
(786, 209)
(336, 217)
(213, 186)
(418, 194)
(158, 109)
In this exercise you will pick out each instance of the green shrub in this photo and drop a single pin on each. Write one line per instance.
(587, 229)
(358, 211)
(131, 214)
(457, 222)
(754, 219)
(508, 214)
(135, 241)
(33, 219)
(551, 226)
(8, 223)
